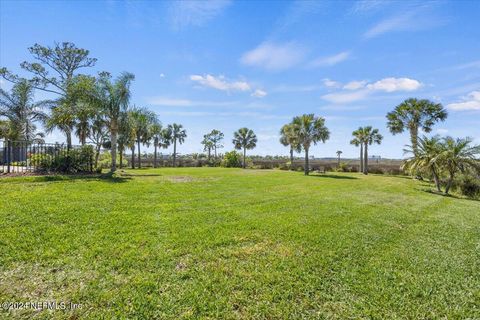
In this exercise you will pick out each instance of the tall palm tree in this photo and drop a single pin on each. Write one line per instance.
(370, 136)
(339, 152)
(19, 108)
(288, 138)
(358, 141)
(156, 134)
(457, 154)
(112, 97)
(178, 134)
(142, 120)
(414, 114)
(244, 139)
(309, 130)
(428, 150)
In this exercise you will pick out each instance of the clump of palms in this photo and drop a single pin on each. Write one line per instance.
(309, 129)
(413, 115)
(161, 139)
(176, 134)
(142, 120)
(245, 139)
(22, 112)
(289, 139)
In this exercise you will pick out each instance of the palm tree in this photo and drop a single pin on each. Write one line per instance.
(244, 139)
(457, 154)
(98, 135)
(156, 134)
(414, 114)
(177, 134)
(142, 120)
(309, 130)
(428, 150)
(21, 111)
(370, 136)
(288, 138)
(339, 152)
(358, 141)
(112, 97)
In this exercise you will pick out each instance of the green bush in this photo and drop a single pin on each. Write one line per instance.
(71, 161)
(232, 159)
(105, 161)
(40, 161)
(469, 186)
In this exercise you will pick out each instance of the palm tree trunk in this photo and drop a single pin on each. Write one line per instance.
(120, 154)
(435, 179)
(68, 133)
(361, 157)
(138, 155)
(365, 160)
(215, 150)
(97, 154)
(291, 158)
(244, 155)
(414, 140)
(306, 169)
(449, 183)
(113, 149)
(174, 152)
(133, 156)
(209, 152)
(155, 156)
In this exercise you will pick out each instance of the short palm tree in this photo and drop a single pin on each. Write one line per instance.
(245, 139)
(309, 130)
(288, 138)
(112, 98)
(457, 154)
(414, 114)
(370, 136)
(428, 151)
(142, 120)
(339, 153)
(178, 134)
(358, 142)
(21, 111)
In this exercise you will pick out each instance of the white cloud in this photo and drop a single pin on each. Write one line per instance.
(359, 90)
(470, 102)
(162, 75)
(355, 85)
(274, 57)
(331, 84)
(220, 83)
(395, 84)
(186, 13)
(174, 102)
(346, 97)
(470, 65)
(330, 60)
(259, 93)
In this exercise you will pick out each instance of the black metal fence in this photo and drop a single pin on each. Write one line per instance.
(32, 156)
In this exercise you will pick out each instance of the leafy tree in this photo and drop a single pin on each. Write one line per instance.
(288, 138)
(216, 137)
(244, 139)
(177, 134)
(112, 98)
(414, 114)
(339, 153)
(370, 136)
(22, 112)
(309, 130)
(4, 129)
(142, 120)
(426, 158)
(55, 71)
(98, 135)
(458, 154)
(126, 136)
(207, 144)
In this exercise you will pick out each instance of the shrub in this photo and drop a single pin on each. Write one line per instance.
(469, 186)
(41, 161)
(105, 160)
(343, 167)
(72, 161)
(232, 159)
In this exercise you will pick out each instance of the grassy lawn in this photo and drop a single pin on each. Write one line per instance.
(238, 244)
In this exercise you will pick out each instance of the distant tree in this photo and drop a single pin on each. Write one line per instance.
(358, 140)
(370, 136)
(288, 138)
(55, 71)
(112, 98)
(22, 112)
(178, 134)
(309, 130)
(157, 133)
(142, 120)
(216, 137)
(207, 145)
(414, 114)
(458, 154)
(426, 158)
(339, 152)
(244, 139)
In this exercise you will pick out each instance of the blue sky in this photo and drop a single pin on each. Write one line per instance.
(228, 64)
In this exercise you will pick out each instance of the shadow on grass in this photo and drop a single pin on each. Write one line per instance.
(332, 176)
(442, 194)
(106, 177)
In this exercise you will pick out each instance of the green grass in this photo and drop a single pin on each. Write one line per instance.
(238, 244)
